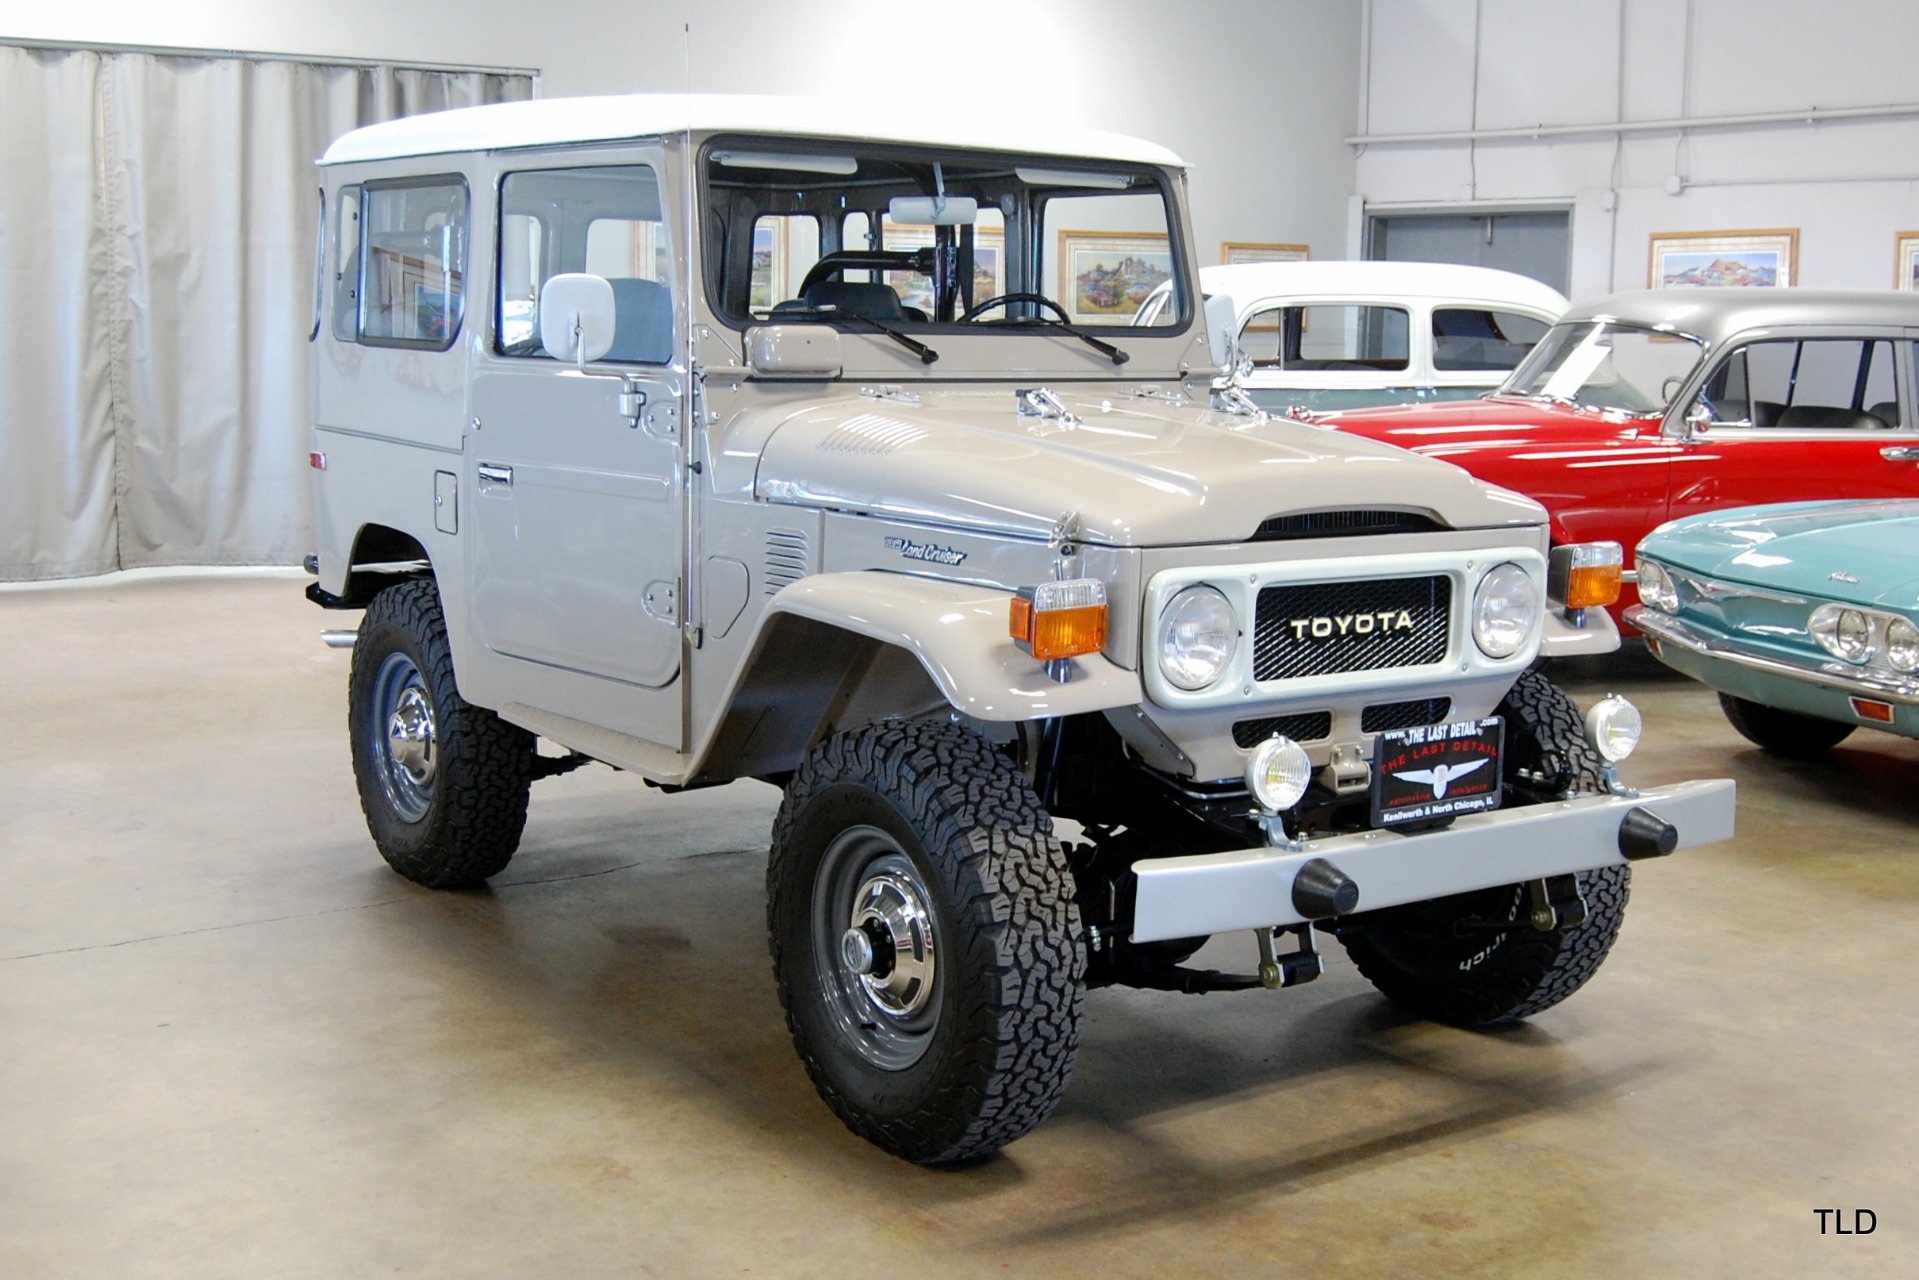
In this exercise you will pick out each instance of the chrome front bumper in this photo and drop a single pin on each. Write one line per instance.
(1827, 675)
(1253, 888)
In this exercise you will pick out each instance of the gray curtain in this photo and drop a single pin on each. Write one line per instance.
(157, 231)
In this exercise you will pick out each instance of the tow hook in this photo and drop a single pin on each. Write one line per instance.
(1293, 968)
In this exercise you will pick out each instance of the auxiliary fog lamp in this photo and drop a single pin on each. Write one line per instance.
(1585, 575)
(1059, 619)
(1278, 773)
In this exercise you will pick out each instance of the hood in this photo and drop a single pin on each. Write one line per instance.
(1465, 427)
(1137, 471)
(1800, 546)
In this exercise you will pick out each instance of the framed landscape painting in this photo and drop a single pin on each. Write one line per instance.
(1906, 261)
(916, 290)
(1231, 251)
(1106, 275)
(1741, 259)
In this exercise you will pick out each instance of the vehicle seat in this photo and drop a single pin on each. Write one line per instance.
(855, 297)
(1887, 411)
(1819, 417)
(642, 322)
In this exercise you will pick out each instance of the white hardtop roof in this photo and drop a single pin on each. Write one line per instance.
(557, 121)
(1249, 282)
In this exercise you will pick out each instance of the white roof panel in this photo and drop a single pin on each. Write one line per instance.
(1249, 281)
(556, 121)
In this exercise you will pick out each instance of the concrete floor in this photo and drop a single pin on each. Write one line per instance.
(233, 1044)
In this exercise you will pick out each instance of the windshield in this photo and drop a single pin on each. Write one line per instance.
(913, 238)
(1602, 364)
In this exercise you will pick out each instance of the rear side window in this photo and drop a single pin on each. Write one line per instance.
(345, 258)
(1328, 337)
(605, 221)
(1469, 339)
(413, 263)
(1815, 384)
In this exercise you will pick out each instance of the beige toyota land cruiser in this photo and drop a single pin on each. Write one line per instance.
(720, 438)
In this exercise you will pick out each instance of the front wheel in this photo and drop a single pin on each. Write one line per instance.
(1441, 959)
(925, 941)
(1785, 733)
(444, 784)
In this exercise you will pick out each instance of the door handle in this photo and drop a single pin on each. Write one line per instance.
(494, 473)
(1900, 453)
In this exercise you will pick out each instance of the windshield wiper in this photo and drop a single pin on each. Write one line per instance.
(926, 354)
(1104, 348)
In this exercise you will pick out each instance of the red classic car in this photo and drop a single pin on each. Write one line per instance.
(1640, 408)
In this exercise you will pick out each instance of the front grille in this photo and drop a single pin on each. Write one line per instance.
(1325, 628)
(1385, 716)
(1335, 524)
(1307, 726)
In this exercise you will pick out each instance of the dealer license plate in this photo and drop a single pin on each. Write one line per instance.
(1436, 771)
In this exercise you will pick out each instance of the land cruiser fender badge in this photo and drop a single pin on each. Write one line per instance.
(1351, 624)
(927, 551)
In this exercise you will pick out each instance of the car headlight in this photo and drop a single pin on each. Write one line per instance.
(1198, 635)
(1613, 727)
(1656, 587)
(1505, 611)
(1842, 632)
(1279, 773)
(1902, 644)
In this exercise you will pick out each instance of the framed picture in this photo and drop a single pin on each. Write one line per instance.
(1104, 276)
(916, 290)
(1747, 259)
(1906, 261)
(1231, 251)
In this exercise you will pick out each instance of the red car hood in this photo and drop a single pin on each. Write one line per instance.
(1471, 426)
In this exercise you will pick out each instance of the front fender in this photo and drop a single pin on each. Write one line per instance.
(957, 631)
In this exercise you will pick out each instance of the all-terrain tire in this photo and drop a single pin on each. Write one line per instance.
(926, 811)
(461, 821)
(1416, 958)
(1784, 733)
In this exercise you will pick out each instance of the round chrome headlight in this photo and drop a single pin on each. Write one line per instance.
(1198, 635)
(1613, 727)
(1656, 588)
(1902, 644)
(1279, 773)
(1505, 611)
(1842, 632)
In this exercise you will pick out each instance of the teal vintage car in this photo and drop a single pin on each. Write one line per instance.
(1804, 616)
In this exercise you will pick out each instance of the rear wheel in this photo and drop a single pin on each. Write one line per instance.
(444, 784)
(1785, 733)
(1438, 961)
(925, 941)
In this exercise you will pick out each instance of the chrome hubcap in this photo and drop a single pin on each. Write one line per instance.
(404, 736)
(876, 948)
(409, 736)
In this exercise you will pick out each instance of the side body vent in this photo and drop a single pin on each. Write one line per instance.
(788, 558)
(1344, 524)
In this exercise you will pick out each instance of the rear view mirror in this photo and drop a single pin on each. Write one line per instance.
(936, 211)
(577, 317)
(1222, 332)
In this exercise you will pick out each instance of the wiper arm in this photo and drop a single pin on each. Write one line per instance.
(1105, 348)
(926, 354)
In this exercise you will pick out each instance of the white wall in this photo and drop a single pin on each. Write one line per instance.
(1848, 186)
(1268, 156)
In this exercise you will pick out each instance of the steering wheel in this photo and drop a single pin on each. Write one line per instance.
(1038, 299)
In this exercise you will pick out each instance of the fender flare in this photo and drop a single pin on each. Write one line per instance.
(957, 631)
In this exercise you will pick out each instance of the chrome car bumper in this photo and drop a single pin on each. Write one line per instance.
(1253, 888)
(1826, 674)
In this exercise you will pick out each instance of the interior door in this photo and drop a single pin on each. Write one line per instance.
(576, 474)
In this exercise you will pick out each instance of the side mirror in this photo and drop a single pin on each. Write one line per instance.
(1698, 419)
(577, 317)
(1222, 332)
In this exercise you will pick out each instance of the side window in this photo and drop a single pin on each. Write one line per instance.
(1101, 257)
(606, 221)
(785, 246)
(415, 270)
(1328, 337)
(1480, 339)
(346, 266)
(1815, 384)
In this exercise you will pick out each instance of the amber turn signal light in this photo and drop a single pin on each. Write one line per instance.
(1585, 575)
(1059, 619)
